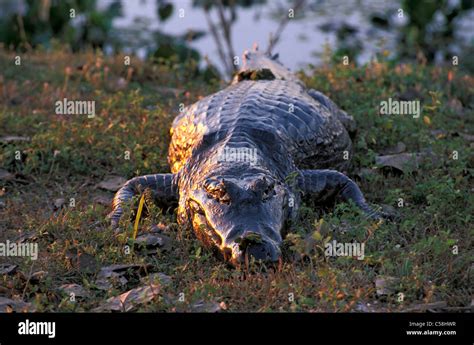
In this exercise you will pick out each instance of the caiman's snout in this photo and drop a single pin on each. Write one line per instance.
(262, 252)
(254, 247)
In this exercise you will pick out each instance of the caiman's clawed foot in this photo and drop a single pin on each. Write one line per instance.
(163, 186)
(327, 184)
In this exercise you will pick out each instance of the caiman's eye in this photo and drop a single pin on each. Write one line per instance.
(269, 191)
(264, 188)
(217, 190)
(194, 206)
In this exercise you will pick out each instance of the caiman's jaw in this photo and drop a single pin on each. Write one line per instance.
(242, 219)
(252, 244)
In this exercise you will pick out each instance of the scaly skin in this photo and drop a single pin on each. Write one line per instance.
(240, 206)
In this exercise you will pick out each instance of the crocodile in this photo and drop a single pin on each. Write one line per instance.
(243, 158)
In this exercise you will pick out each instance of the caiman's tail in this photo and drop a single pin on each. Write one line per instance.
(163, 186)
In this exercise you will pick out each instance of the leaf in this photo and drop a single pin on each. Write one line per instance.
(403, 162)
(116, 275)
(58, 203)
(455, 105)
(102, 200)
(153, 241)
(9, 305)
(393, 150)
(154, 278)
(426, 306)
(131, 299)
(427, 120)
(468, 137)
(386, 285)
(165, 9)
(13, 139)
(76, 289)
(139, 214)
(38, 276)
(207, 307)
(7, 268)
(5, 175)
(113, 183)
(439, 133)
(83, 262)
(317, 235)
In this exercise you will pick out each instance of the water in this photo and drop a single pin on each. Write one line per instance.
(301, 43)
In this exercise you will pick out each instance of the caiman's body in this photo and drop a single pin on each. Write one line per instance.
(237, 156)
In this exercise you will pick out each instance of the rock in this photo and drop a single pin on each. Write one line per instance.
(9, 305)
(386, 285)
(7, 269)
(13, 139)
(6, 176)
(76, 289)
(130, 300)
(160, 278)
(112, 183)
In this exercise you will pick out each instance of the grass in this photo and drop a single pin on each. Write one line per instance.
(135, 105)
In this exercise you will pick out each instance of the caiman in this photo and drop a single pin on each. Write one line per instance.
(242, 159)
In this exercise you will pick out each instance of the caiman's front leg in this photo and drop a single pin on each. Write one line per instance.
(163, 186)
(327, 184)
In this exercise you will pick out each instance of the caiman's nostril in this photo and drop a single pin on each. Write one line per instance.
(252, 237)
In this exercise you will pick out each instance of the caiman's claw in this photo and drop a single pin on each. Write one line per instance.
(163, 186)
(324, 184)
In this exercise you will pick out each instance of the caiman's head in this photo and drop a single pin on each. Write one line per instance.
(240, 216)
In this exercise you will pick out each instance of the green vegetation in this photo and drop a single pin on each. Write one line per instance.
(68, 155)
